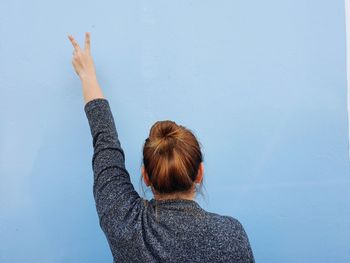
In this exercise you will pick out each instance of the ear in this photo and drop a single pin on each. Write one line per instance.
(145, 176)
(200, 173)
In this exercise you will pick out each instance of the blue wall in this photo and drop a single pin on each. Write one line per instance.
(261, 83)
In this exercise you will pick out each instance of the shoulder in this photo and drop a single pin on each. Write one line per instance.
(228, 225)
(234, 223)
(230, 234)
(224, 219)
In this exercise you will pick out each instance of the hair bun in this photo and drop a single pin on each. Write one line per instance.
(166, 129)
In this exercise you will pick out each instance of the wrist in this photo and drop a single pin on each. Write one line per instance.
(88, 79)
(91, 88)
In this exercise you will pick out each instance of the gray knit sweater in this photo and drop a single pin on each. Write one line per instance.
(140, 230)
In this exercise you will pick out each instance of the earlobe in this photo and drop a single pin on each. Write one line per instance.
(200, 173)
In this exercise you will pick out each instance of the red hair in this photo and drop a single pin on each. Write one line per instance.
(171, 157)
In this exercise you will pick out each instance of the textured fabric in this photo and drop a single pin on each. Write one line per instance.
(140, 230)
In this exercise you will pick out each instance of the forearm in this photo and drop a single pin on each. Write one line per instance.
(91, 88)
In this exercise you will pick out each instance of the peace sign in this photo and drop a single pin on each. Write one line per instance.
(82, 59)
(76, 45)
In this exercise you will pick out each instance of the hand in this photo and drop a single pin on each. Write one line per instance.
(82, 59)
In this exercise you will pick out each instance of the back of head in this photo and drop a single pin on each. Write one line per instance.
(171, 157)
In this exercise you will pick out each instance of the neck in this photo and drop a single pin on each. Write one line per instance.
(188, 195)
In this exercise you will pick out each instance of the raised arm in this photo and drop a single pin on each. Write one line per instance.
(113, 191)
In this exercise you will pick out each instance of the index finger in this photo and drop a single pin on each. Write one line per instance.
(87, 41)
(74, 43)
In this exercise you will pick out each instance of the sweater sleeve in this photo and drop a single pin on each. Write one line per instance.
(113, 191)
(245, 250)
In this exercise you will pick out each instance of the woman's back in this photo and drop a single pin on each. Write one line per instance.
(178, 230)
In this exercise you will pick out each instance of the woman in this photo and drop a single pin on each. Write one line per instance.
(171, 227)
